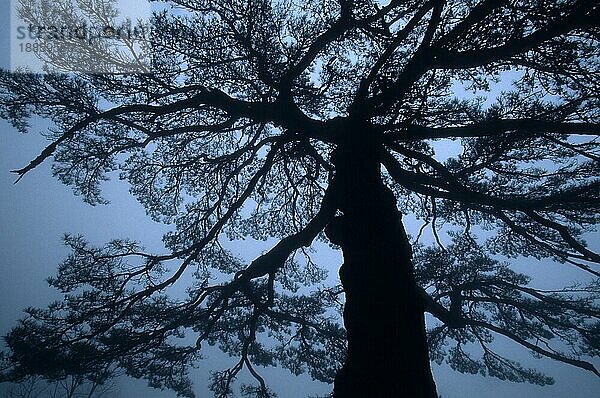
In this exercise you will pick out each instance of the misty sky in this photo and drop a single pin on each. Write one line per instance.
(35, 213)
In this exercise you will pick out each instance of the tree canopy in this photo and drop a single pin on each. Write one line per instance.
(237, 129)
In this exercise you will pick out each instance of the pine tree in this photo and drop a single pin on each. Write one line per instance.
(328, 120)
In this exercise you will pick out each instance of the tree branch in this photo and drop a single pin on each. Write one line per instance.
(577, 18)
(492, 128)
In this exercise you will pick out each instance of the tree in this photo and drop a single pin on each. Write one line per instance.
(330, 120)
(67, 387)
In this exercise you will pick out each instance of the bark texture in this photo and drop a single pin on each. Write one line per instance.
(383, 316)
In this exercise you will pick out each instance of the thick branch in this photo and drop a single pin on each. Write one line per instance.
(469, 59)
(388, 52)
(561, 358)
(274, 259)
(493, 128)
(451, 320)
(451, 189)
(281, 114)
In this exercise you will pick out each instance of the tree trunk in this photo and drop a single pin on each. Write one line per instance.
(387, 345)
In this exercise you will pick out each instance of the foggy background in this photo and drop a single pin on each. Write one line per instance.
(36, 212)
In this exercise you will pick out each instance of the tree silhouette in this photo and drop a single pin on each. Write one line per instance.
(329, 120)
(70, 386)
